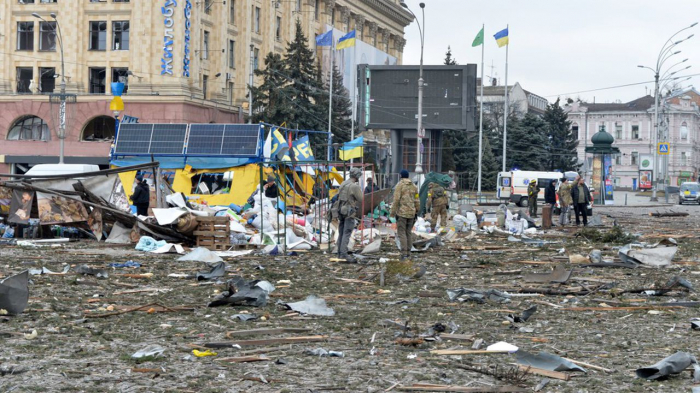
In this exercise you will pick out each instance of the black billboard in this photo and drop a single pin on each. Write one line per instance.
(388, 97)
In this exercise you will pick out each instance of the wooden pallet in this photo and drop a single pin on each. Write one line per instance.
(213, 233)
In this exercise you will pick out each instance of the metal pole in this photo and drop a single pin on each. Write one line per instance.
(481, 116)
(62, 109)
(419, 128)
(330, 98)
(353, 75)
(505, 114)
(250, 87)
(655, 165)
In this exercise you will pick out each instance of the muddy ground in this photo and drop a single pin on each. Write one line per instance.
(75, 350)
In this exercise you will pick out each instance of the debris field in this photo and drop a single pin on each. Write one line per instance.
(452, 327)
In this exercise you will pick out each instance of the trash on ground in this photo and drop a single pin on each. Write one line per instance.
(14, 293)
(217, 270)
(201, 354)
(320, 352)
(502, 346)
(243, 293)
(659, 254)
(312, 306)
(524, 317)
(201, 254)
(674, 364)
(91, 271)
(559, 275)
(464, 294)
(125, 264)
(151, 351)
(547, 361)
(147, 243)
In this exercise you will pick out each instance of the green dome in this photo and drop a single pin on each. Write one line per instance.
(602, 138)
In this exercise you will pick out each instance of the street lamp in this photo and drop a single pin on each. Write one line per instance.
(664, 54)
(419, 126)
(62, 97)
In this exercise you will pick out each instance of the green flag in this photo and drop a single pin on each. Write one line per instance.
(479, 39)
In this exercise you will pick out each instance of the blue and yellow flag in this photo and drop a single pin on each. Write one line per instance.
(279, 146)
(346, 41)
(501, 37)
(352, 149)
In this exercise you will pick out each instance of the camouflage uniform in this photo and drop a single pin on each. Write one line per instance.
(565, 202)
(437, 203)
(349, 203)
(532, 192)
(405, 209)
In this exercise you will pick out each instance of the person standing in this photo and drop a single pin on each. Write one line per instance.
(437, 203)
(141, 196)
(533, 190)
(371, 187)
(565, 201)
(270, 187)
(349, 203)
(581, 196)
(405, 208)
(550, 198)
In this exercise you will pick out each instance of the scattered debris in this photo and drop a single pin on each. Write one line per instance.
(659, 254)
(559, 275)
(217, 270)
(320, 352)
(151, 351)
(547, 361)
(14, 293)
(463, 295)
(674, 364)
(243, 293)
(87, 270)
(312, 306)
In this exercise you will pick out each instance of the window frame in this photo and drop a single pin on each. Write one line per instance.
(205, 45)
(44, 130)
(25, 34)
(232, 54)
(122, 72)
(90, 84)
(98, 32)
(42, 72)
(48, 32)
(122, 34)
(21, 81)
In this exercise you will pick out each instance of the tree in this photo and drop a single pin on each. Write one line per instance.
(528, 142)
(562, 142)
(270, 103)
(305, 87)
(449, 60)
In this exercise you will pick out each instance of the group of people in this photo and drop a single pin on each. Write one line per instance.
(574, 195)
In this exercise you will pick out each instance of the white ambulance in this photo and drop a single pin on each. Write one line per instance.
(512, 186)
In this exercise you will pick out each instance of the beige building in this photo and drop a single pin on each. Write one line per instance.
(184, 61)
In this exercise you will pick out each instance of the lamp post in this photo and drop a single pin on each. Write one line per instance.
(62, 109)
(665, 53)
(419, 126)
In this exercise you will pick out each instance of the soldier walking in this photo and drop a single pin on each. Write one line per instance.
(349, 203)
(405, 209)
(437, 203)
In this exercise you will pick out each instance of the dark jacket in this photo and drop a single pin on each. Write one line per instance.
(371, 188)
(550, 194)
(142, 194)
(574, 193)
(272, 191)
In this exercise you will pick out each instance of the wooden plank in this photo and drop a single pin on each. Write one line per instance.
(457, 337)
(271, 341)
(466, 352)
(630, 308)
(544, 373)
(211, 233)
(255, 332)
(212, 219)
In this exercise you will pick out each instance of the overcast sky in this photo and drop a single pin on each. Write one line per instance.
(562, 46)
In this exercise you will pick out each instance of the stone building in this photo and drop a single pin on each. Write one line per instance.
(183, 61)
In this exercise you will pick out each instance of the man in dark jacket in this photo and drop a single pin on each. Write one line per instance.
(371, 187)
(271, 190)
(550, 197)
(141, 196)
(581, 197)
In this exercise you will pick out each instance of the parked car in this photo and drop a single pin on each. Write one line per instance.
(689, 193)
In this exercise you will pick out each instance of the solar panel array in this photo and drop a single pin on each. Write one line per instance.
(202, 139)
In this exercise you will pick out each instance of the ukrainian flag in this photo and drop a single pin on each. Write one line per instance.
(501, 37)
(352, 149)
(346, 41)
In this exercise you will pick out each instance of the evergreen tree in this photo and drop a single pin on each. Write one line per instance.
(562, 142)
(449, 60)
(527, 144)
(270, 103)
(304, 84)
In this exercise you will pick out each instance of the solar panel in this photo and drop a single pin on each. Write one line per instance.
(205, 139)
(168, 139)
(224, 139)
(151, 139)
(133, 139)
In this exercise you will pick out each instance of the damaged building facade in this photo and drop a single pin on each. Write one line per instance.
(186, 62)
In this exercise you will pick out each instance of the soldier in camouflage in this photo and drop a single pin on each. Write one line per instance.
(405, 209)
(437, 203)
(349, 204)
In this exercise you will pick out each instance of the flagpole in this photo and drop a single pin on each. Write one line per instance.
(481, 113)
(505, 114)
(330, 99)
(353, 75)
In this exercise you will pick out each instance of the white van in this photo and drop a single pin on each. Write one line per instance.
(40, 170)
(513, 185)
